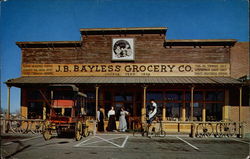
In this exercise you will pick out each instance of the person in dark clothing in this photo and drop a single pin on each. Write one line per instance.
(111, 123)
(100, 123)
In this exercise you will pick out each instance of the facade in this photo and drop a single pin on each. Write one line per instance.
(191, 80)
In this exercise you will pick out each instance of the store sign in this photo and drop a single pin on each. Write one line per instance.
(128, 69)
(123, 49)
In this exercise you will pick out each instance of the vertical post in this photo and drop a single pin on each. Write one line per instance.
(163, 112)
(143, 109)
(8, 103)
(192, 104)
(44, 110)
(240, 100)
(183, 112)
(240, 104)
(204, 108)
(96, 107)
(96, 100)
(225, 112)
(183, 109)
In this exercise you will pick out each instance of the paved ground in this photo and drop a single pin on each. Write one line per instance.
(123, 146)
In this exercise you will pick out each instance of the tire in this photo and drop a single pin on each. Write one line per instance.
(47, 132)
(85, 132)
(78, 130)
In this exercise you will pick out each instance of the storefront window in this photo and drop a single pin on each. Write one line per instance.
(91, 96)
(35, 110)
(187, 96)
(174, 95)
(213, 111)
(157, 96)
(108, 96)
(173, 111)
(198, 96)
(197, 111)
(122, 98)
(214, 96)
(90, 108)
(34, 95)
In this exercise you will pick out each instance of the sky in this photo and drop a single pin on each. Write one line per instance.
(61, 20)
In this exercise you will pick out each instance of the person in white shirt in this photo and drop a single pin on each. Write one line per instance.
(111, 122)
(153, 111)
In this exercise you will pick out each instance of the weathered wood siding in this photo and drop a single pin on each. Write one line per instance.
(149, 48)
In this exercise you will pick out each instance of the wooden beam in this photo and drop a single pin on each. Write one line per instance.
(8, 103)
(192, 104)
(143, 109)
(96, 100)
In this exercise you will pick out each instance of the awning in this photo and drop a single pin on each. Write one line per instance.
(120, 80)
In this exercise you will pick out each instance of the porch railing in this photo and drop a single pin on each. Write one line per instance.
(197, 129)
(22, 126)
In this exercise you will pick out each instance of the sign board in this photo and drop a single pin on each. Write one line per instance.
(123, 49)
(127, 69)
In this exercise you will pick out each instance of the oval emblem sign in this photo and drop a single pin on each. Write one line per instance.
(123, 49)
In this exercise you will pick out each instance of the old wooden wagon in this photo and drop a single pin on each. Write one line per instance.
(66, 113)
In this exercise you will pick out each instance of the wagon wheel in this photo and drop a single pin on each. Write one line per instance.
(47, 132)
(200, 129)
(85, 131)
(78, 130)
(232, 129)
(36, 127)
(19, 126)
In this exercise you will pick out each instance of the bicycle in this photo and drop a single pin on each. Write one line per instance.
(156, 131)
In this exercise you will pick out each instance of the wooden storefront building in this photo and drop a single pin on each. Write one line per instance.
(191, 80)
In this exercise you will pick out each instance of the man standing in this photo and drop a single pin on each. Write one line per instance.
(152, 111)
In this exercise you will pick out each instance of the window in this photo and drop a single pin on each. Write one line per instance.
(197, 111)
(214, 96)
(173, 111)
(35, 110)
(63, 95)
(34, 95)
(157, 96)
(174, 96)
(214, 111)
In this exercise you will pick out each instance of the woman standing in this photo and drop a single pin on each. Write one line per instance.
(122, 120)
(111, 122)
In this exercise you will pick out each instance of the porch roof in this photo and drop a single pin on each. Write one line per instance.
(18, 82)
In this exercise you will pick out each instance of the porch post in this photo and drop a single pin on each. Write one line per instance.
(8, 102)
(192, 104)
(164, 113)
(96, 108)
(204, 107)
(183, 109)
(240, 104)
(183, 112)
(143, 109)
(96, 100)
(225, 112)
(240, 100)
(44, 110)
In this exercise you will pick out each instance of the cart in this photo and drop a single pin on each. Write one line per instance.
(66, 112)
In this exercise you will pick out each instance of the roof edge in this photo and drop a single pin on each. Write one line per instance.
(201, 40)
(41, 44)
(129, 30)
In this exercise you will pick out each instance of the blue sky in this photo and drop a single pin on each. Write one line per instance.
(61, 20)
